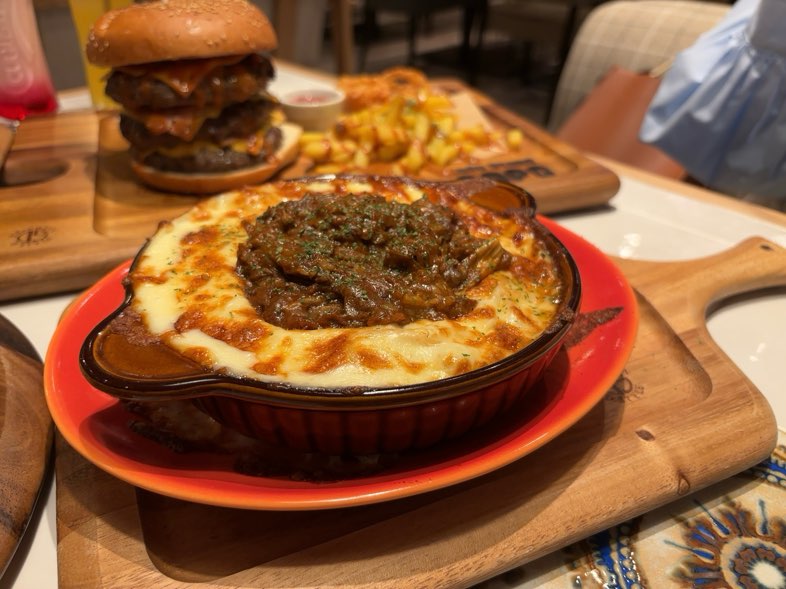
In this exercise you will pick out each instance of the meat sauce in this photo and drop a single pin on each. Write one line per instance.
(329, 260)
(189, 293)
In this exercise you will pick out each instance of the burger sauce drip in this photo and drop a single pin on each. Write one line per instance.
(184, 77)
(215, 82)
(184, 125)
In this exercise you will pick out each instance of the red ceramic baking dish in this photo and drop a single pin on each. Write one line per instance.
(376, 388)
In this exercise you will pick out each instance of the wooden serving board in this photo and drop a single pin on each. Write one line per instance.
(681, 417)
(66, 232)
(26, 443)
(49, 242)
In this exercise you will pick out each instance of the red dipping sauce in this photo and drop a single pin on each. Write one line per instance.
(307, 97)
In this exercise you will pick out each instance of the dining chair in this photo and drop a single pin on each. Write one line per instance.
(536, 21)
(613, 71)
(638, 35)
(416, 11)
(285, 19)
(533, 24)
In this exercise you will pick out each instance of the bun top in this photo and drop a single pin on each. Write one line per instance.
(164, 30)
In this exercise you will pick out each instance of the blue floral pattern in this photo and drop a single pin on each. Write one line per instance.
(730, 536)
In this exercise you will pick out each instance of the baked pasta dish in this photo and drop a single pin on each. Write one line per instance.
(355, 281)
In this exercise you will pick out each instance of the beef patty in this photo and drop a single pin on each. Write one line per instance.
(212, 158)
(236, 121)
(138, 89)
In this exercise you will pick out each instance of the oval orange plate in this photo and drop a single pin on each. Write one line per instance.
(96, 426)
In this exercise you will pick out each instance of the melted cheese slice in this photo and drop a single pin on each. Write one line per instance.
(182, 76)
(189, 295)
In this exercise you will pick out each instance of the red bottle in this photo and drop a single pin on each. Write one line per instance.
(25, 84)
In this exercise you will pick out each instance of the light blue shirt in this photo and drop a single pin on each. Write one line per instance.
(720, 110)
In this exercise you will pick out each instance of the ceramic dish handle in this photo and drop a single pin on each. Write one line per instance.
(497, 196)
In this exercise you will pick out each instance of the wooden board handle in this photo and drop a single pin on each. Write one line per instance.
(684, 290)
(750, 265)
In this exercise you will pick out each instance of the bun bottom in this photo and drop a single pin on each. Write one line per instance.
(197, 184)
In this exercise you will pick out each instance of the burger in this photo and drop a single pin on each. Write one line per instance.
(191, 78)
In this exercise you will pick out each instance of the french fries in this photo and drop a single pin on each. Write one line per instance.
(407, 131)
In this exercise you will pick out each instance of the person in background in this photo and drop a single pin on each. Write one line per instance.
(720, 109)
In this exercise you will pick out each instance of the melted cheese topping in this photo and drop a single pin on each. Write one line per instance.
(189, 295)
(182, 76)
(187, 126)
(184, 124)
(253, 144)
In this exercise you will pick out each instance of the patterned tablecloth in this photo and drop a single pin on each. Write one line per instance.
(730, 535)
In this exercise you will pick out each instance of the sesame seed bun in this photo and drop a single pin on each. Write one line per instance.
(164, 30)
(195, 183)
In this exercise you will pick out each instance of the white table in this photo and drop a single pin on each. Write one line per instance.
(648, 219)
